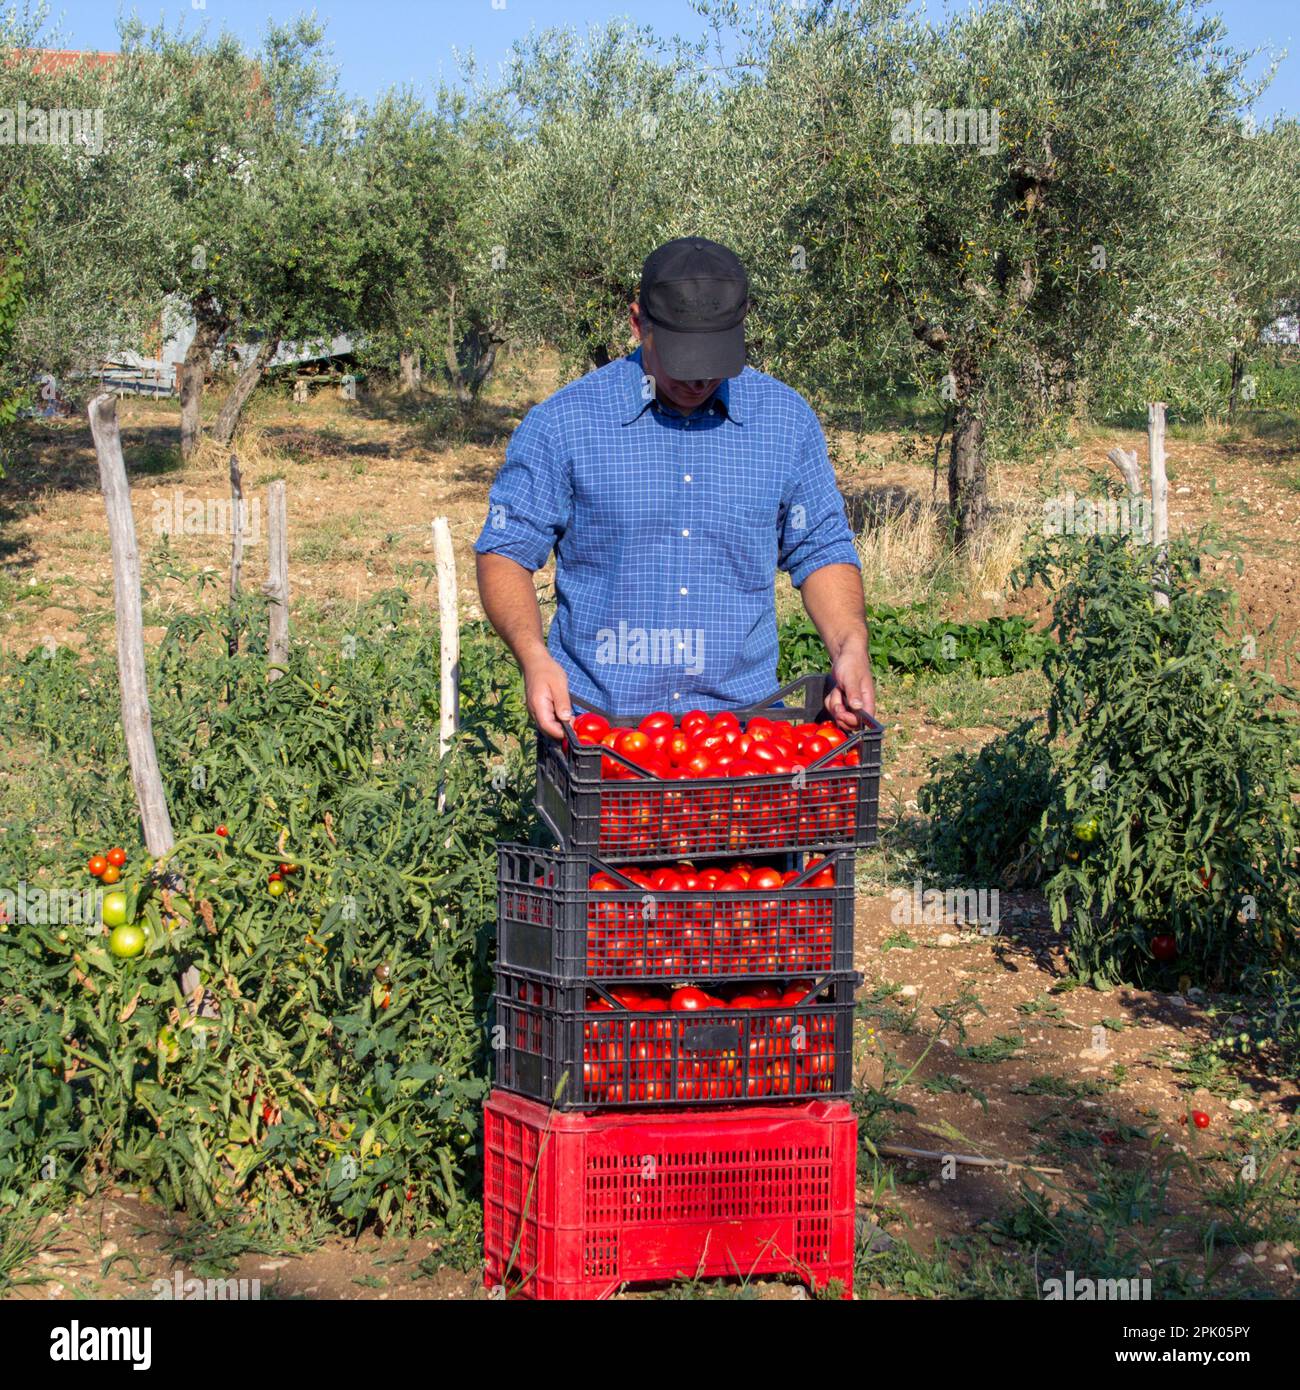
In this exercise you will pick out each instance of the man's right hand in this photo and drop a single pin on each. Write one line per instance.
(546, 690)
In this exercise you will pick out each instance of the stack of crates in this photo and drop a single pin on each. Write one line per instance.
(630, 1141)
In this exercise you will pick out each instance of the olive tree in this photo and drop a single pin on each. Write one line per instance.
(597, 172)
(253, 150)
(78, 211)
(1010, 206)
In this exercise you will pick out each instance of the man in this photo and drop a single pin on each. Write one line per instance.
(671, 484)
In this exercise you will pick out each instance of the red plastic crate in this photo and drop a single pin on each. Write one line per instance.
(576, 1206)
(550, 923)
(643, 817)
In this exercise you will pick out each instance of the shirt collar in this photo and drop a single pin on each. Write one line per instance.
(724, 400)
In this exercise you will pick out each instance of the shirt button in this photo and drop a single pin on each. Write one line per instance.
(686, 533)
(677, 694)
(684, 589)
(686, 478)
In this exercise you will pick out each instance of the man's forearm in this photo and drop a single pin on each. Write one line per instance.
(510, 602)
(833, 597)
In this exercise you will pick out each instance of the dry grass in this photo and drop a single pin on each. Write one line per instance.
(905, 548)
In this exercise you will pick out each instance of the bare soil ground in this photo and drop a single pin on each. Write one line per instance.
(1027, 1082)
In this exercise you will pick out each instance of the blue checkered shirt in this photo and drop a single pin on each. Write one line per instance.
(668, 530)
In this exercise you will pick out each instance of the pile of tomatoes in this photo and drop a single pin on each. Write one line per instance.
(649, 812)
(781, 1047)
(713, 745)
(633, 933)
(639, 934)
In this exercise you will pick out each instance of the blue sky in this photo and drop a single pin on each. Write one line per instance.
(380, 43)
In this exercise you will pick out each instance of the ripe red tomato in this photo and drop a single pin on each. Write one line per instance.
(1164, 947)
(765, 878)
(591, 728)
(111, 874)
(657, 723)
(632, 743)
(688, 999)
(1200, 1119)
(693, 720)
(724, 719)
(222, 831)
(116, 857)
(96, 865)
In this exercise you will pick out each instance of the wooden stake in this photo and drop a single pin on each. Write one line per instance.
(137, 721)
(902, 1151)
(236, 551)
(1127, 463)
(1159, 497)
(276, 587)
(444, 560)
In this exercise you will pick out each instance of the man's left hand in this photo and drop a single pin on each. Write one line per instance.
(855, 690)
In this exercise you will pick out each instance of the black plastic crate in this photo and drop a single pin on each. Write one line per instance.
(552, 1046)
(551, 923)
(644, 817)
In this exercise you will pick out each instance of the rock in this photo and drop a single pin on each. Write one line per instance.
(1240, 1260)
(1241, 1105)
(907, 992)
(1260, 1247)
(108, 1250)
(946, 939)
(61, 617)
(870, 1235)
(935, 1185)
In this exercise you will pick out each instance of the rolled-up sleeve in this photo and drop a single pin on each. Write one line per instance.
(531, 500)
(814, 529)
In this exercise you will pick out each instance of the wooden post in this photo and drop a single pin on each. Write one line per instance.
(236, 551)
(444, 560)
(137, 721)
(276, 587)
(1159, 497)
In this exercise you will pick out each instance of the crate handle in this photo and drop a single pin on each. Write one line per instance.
(800, 683)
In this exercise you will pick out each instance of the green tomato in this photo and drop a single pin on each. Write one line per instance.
(126, 941)
(275, 887)
(1087, 829)
(113, 910)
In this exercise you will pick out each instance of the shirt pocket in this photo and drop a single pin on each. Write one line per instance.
(748, 548)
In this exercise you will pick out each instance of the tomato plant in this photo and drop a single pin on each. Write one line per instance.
(322, 777)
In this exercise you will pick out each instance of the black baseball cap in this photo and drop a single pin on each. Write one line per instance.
(696, 295)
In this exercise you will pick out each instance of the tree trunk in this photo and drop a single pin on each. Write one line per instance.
(198, 357)
(968, 497)
(409, 363)
(232, 408)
